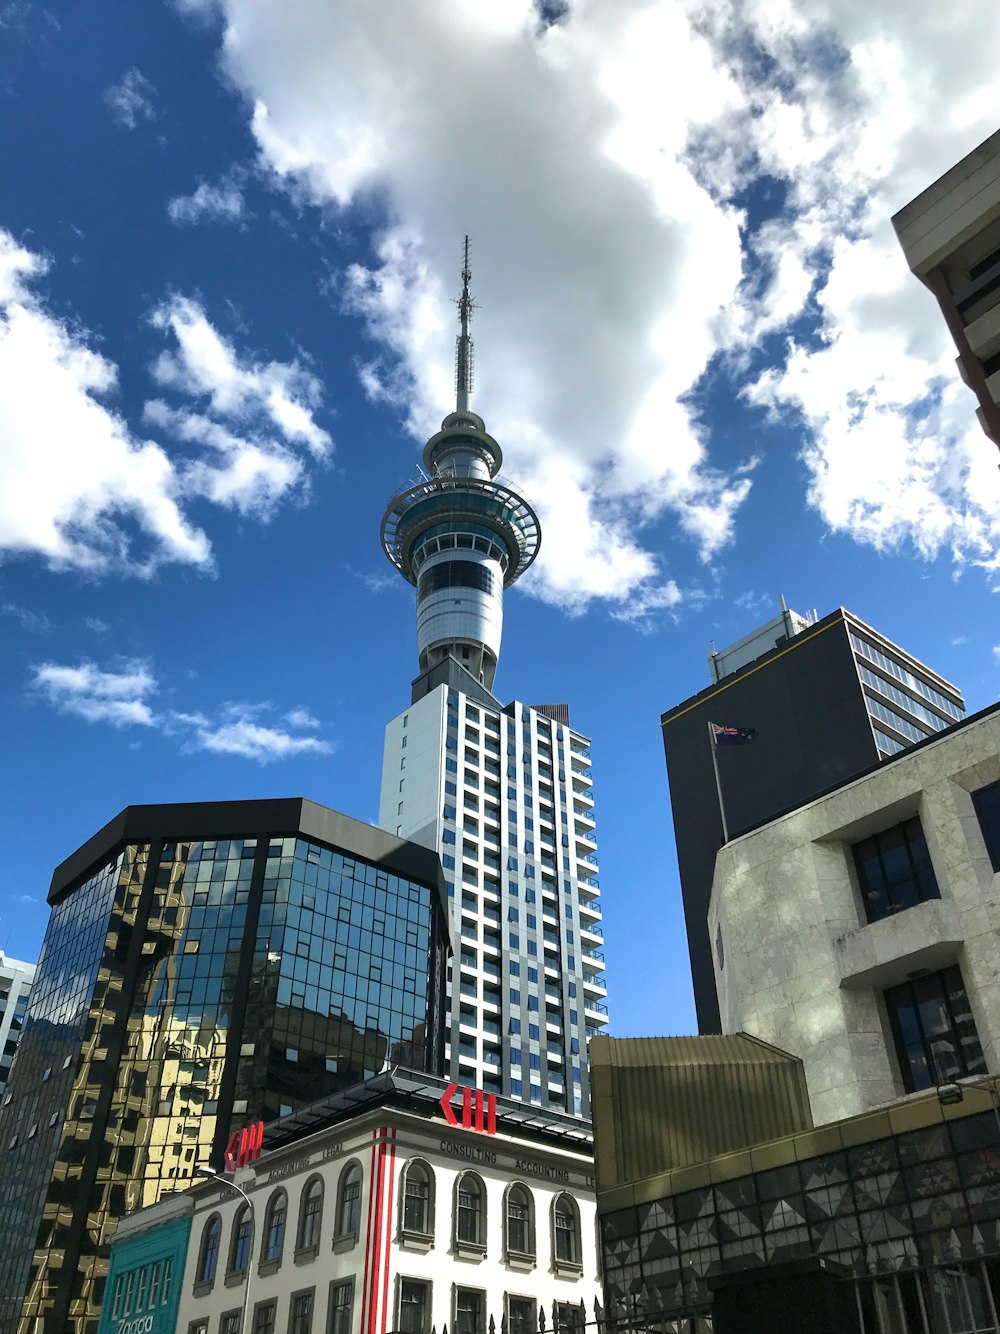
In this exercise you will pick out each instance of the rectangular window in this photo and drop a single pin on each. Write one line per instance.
(231, 1321)
(414, 1306)
(894, 870)
(521, 1317)
(264, 1317)
(470, 1304)
(300, 1312)
(340, 1308)
(987, 806)
(933, 1029)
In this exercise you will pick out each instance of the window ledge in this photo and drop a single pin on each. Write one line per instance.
(567, 1268)
(520, 1260)
(345, 1243)
(305, 1253)
(235, 1278)
(469, 1250)
(268, 1267)
(203, 1287)
(416, 1241)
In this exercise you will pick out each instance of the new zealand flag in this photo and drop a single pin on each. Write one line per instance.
(733, 736)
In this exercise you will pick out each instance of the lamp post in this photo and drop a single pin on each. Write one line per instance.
(210, 1172)
(953, 1092)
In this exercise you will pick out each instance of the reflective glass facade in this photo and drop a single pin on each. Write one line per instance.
(186, 988)
(915, 1215)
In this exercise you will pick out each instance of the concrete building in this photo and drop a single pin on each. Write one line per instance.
(204, 965)
(950, 235)
(828, 699)
(502, 791)
(860, 930)
(15, 983)
(381, 1209)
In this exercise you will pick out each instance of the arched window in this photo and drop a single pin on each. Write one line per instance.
(310, 1215)
(470, 1212)
(519, 1222)
(566, 1248)
(273, 1238)
(416, 1194)
(242, 1237)
(348, 1221)
(208, 1256)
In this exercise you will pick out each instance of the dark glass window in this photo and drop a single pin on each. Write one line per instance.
(894, 870)
(470, 1210)
(457, 574)
(518, 1220)
(414, 1306)
(569, 1318)
(417, 1200)
(932, 1025)
(521, 1318)
(264, 1318)
(274, 1226)
(349, 1202)
(340, 1308)
(300, 1321)
(239, 1252)
(208, 1261)
(311, 1215)
(987, 804)
(565, 1232)
(469, 1309)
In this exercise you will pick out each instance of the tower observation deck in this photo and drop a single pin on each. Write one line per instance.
(463, 535)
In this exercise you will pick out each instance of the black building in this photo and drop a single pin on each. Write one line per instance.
(205, 966)
(828, 699)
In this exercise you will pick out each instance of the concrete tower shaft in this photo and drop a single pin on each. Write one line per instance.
(463, 535)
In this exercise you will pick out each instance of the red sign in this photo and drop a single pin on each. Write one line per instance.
(479, 1109)
(245, 1146)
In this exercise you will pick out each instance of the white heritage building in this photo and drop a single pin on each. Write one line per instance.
(403, 1204)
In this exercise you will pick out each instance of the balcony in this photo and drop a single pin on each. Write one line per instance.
(591, 928)
(596, 983)
(592, 957)
(595, 1007)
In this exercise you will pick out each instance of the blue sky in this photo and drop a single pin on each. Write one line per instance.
(229, 243)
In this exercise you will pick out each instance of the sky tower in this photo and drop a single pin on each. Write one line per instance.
(461, 537)
(502, 791)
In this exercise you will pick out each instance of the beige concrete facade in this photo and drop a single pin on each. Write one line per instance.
(798, 964)
(950, 235)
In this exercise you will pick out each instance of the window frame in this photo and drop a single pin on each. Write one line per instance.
(477, 1244)
(212, 1229)
(268, 1263)
(480, 1293)
(407, 1230)
(566, 1263)
(427, 1287)
(352, 1172)
(259, 1308)
(982, 800)
(532, 1302)
(311, 1217)
(293, 1316)
(947, 978)
(529, 1251)
(243, 1213)
(333, 1307)
(921, 885)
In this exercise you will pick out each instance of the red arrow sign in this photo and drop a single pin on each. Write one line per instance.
(446, 1098)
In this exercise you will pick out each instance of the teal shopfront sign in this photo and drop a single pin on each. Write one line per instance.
(144, 1280)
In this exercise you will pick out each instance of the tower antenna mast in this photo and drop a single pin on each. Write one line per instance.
(464, 361)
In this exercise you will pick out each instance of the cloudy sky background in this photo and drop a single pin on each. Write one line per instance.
(229, 248)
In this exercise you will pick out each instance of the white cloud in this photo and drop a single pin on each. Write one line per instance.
(595, 162)
(81, 489)
(209, 203)
(116, 697)
(121, 697)
(132, 99)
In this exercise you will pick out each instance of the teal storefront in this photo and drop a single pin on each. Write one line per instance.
(148, 1253)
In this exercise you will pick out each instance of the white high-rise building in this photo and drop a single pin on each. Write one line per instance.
(15, 982)
(502, 791)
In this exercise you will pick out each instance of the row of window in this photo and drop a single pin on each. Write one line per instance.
(143, 1289)
(417, 1192)
(413, 1312)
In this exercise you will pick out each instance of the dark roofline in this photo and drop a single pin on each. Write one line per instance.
(872, 768)
(280, 816)
(412, 1091)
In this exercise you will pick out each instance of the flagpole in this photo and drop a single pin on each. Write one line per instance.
(718, 785)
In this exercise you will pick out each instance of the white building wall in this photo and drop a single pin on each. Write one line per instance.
(507, 801)
(378, 1258)
(15, 983)
(796, 961)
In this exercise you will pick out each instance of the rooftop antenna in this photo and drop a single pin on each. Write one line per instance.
(464, 361)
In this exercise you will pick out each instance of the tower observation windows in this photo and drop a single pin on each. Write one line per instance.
(457, 574)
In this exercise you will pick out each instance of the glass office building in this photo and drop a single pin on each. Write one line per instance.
(205, 966)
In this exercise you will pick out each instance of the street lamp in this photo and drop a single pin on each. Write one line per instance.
(210, 1172)
(952, 1093)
